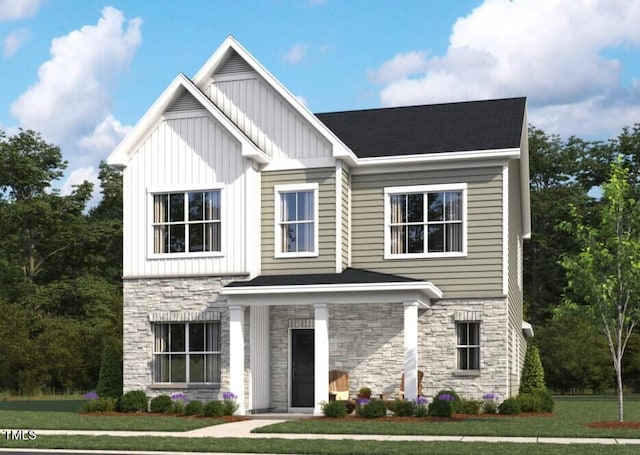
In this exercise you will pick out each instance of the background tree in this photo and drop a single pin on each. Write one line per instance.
(606, 272)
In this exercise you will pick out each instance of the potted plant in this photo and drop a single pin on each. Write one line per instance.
(364, 392)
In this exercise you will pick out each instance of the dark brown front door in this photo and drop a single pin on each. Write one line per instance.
(302, 368)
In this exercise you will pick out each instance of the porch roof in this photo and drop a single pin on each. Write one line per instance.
(347, 276)
(349, 281)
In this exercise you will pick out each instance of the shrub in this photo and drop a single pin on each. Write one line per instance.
(214, 409)
(103, 404)
(334, 409)
(373, 409)
(161, 404)
(538, 401)
(133, 401)
(441, 408)
(510, 406)
(402, 408)
(547, 401)
(532, 377)
(470, 407)
(110, 375)
(455, 398)
(529, 402)
(194, 408)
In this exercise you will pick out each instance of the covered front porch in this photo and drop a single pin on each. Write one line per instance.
(303, 326)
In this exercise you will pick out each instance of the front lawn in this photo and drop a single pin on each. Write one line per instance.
(570, 417)
(64, 415)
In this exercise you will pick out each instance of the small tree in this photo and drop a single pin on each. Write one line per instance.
(110, 378)
(532, 378)
(606, 272)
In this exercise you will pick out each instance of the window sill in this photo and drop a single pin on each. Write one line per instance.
(295, 255)
(467, 373)
(389, 256)
(184, 385)
(212, 254)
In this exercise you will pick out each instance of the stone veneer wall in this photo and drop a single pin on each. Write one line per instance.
(368, 342)
(145, 296)
(437, 349)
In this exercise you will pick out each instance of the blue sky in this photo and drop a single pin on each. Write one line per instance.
(82, 72)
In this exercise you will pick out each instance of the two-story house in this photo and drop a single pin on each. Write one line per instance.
(265, 246)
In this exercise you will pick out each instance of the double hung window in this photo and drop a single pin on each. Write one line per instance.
(468, 346)
(425, 221)
(296, 229)
(186, 222)
(186, 352)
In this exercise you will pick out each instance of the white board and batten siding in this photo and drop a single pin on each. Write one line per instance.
(476, 275)
(236, 86)
(187, 150)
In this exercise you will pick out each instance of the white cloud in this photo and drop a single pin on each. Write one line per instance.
(71, 96)
(13, 41)
(399, 67)
(550, 51)
(78, 176)
(18, 9)
(296, 54)
(105, 137)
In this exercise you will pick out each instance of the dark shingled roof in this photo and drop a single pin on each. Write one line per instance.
(348, 276)
(436, 128)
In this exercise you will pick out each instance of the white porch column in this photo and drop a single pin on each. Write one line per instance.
(236, 355)
(410, 350)
(321, 356)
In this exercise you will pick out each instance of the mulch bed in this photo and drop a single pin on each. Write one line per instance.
(159, 414)
(615, 425)
(454, 418)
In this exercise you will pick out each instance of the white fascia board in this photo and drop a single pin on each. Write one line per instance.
(524, 180)
(344, 298)
(527, 329)
(440, 157)
(425, 287)
(340, 150)
(122, 153)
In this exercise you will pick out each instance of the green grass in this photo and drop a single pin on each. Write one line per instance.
(64, 415)
(571, 415)
(307, 446)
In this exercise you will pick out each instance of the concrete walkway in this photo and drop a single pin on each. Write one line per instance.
(243, 429)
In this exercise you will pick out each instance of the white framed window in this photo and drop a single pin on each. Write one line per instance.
(186, 353)
(186, 222)
(468, 346)
(296, 220)
(425, 221)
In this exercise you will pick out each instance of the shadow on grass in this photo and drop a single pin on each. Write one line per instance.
(42, 405)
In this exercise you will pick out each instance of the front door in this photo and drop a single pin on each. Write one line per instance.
(302, 368)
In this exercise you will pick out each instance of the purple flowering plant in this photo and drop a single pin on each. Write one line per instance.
(91, 396)
(445, 397)
(179, 396)
(490, 405)
(362, 401)
(420, 401)
(229, 396)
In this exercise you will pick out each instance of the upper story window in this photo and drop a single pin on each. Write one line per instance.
(425, 221)
(186, 222)
(296, 216)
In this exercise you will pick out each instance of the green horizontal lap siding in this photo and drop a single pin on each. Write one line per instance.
(479, 274)
(325, 262)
